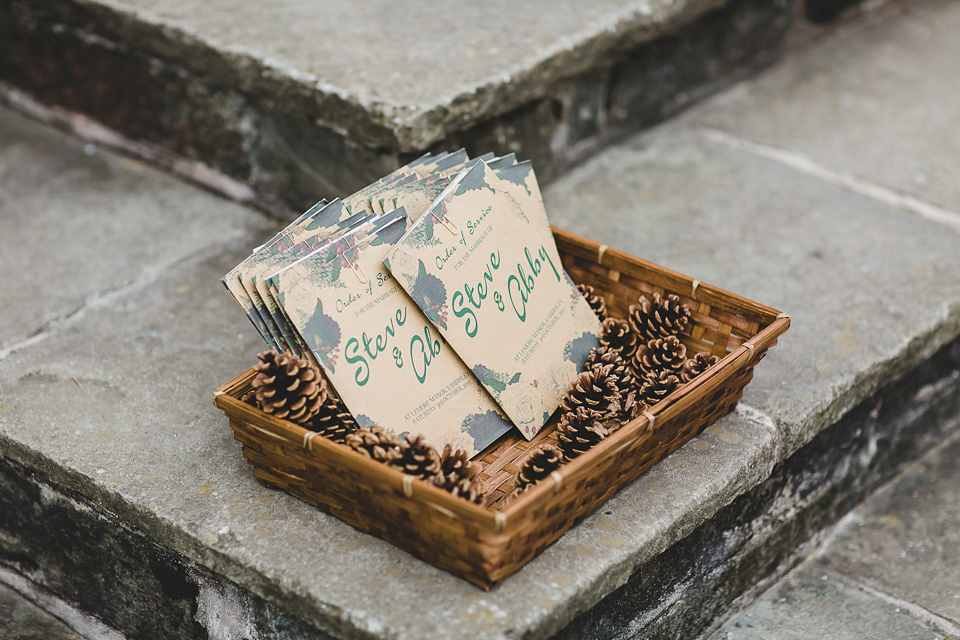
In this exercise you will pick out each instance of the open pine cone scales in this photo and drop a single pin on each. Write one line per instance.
(595, 390)
(417, 458)
(658, 317)
(697, 365)
(456, 463)
(288, 387)
(613, 361)
(544, 460)
(333, 420)
(465, 488)
(595, 300)
(578, 431)
(659, 354)
(375, 443)
(656, 386)
(619, 336)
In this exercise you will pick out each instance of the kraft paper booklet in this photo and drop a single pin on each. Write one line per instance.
(480, 267)
(290, 235)
(316, 223)
(386, 361)
(321, 262)
(229, 280)
(416, 197)
(326, 229)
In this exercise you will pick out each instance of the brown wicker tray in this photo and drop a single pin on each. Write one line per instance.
(486, 543)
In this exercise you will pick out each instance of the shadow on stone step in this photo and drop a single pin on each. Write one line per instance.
(263, 129)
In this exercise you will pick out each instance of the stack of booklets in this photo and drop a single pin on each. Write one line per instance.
(433, 300)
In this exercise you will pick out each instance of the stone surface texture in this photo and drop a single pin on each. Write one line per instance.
(385, 64)
(20, 619)
(887, 570)
(883, 111)
(78, 224)
(814, 604)
(106, 421)
(295, 102)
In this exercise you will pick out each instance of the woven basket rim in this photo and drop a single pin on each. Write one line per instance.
(228, 396)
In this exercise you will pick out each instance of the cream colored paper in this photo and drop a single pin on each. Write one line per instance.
(386, 361)
(480, 267)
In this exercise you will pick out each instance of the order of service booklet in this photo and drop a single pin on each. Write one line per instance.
(385, 359)
(482, 265)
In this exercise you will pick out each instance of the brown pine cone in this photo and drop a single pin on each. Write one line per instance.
(543, 461)
(607, 357)
(659, 354)
(288, 387)
(461, 487)
(618, 336)
(457, 463)
(417, 458)
(250, 398)
(659, 317)
(375, 443)
(596, 302)
(656, 386)
(333, 420)
(630, 407)
(697, 365)
(578, 431)
(595, 390)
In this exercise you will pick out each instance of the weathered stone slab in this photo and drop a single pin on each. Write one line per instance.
(298, 104)
(871, 290)
(815, 604)
(20, 619)
(874, 100)
(77, 224)
(905, 541)
(772, 527)
(144, 444)
(890, 561)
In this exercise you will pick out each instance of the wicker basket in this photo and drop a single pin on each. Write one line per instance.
(486, 543)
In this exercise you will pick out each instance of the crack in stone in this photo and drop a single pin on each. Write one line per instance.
(922, 614)
(104, 298)
(852, 183)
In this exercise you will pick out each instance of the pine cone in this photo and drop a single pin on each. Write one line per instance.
(595, 390)
(697, 365)
(659, 354)
(596, 302)
(417, 458)
(578, 431)
(658, 318)
(541, 463)
(618, 336)
(465, 488)
(612, 358)
(333, 420)
(288, 387)
(457, 463)
(375, 443)
(656, 386)
(630, 407)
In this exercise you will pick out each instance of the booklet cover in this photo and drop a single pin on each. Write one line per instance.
(479, 266)
(386, 361)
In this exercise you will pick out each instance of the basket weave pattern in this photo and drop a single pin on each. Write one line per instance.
(486, 543)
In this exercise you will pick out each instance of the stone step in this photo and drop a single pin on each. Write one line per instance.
(888, 570)
(126, 497)
(292, 102)
(21, 619)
